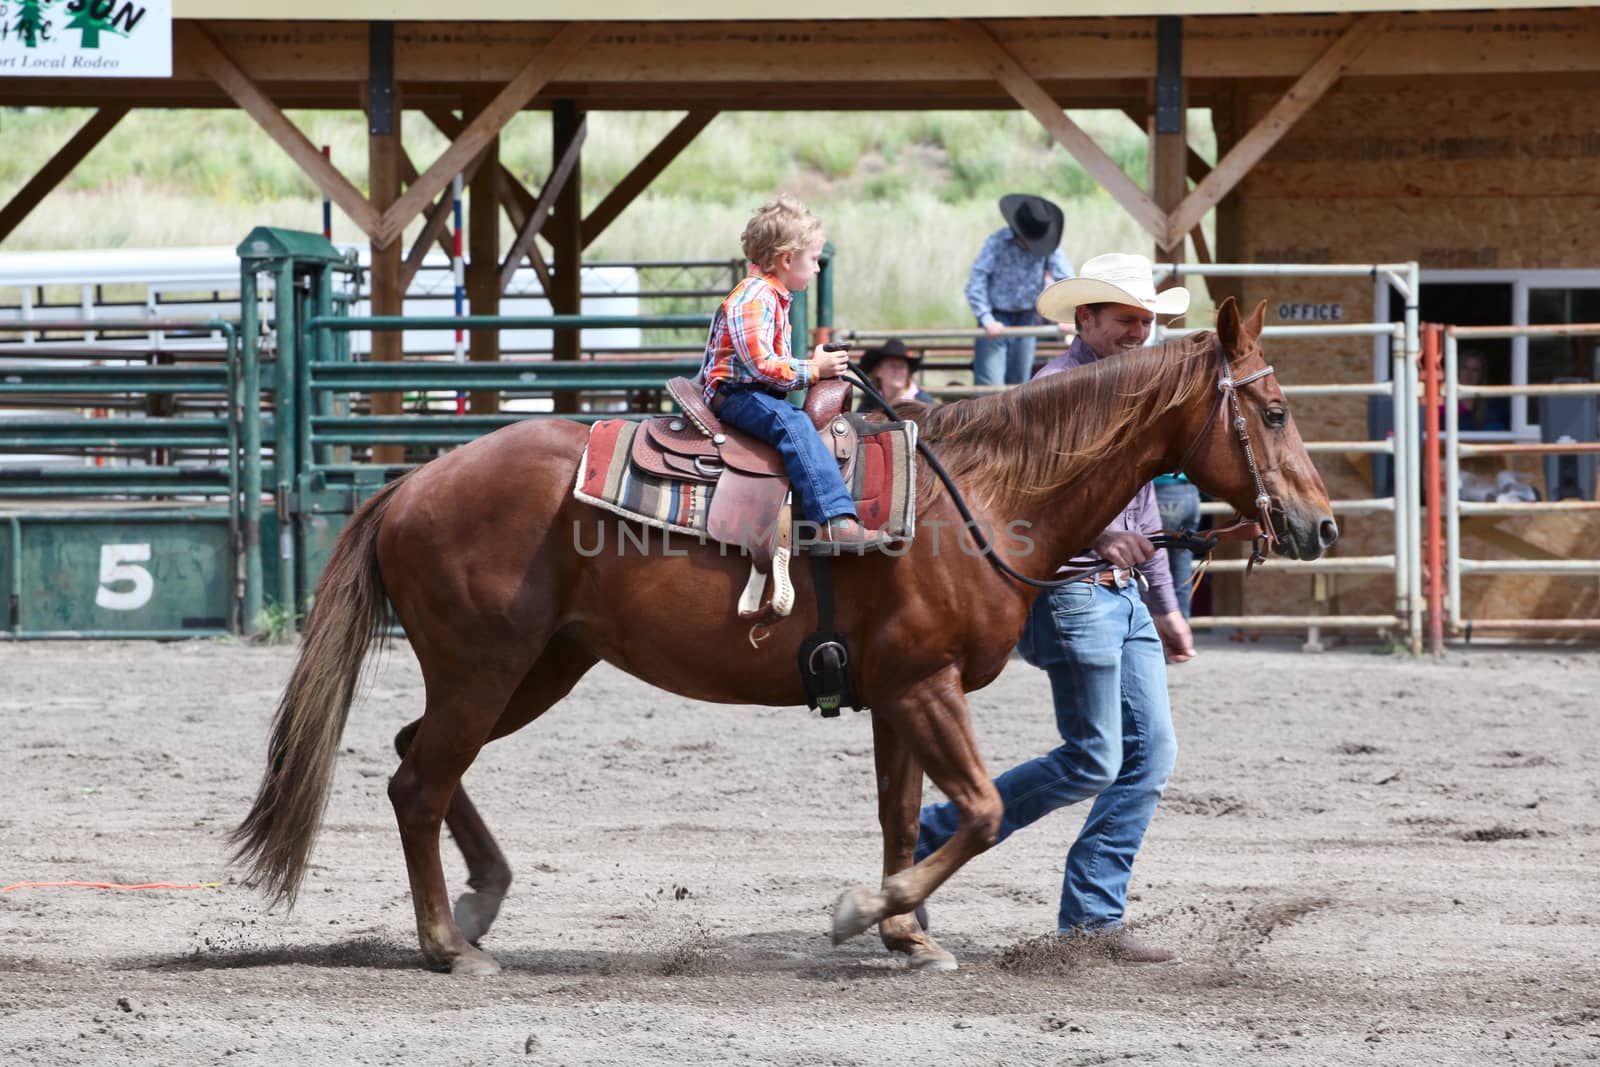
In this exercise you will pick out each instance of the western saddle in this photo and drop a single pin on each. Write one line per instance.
(749, 508)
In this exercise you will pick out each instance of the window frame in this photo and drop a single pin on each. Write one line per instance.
(1520, 281)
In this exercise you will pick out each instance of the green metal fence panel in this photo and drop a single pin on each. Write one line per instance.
(167, 573)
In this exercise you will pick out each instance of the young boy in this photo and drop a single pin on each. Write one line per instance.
(749, 369)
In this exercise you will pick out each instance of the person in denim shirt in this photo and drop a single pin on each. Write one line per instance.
(1104, 645)
(1013, 267)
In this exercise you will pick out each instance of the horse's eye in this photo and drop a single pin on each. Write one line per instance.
(1276, 417)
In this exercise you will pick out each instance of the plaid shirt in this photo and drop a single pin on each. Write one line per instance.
(749, 340)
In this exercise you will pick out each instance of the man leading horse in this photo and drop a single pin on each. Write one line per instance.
(1101, 641)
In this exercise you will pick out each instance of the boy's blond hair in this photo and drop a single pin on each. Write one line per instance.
(782, 225)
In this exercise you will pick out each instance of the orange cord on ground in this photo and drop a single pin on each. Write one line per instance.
(112, 885)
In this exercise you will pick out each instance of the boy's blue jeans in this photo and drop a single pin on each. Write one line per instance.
(1005, 360)
(1108, 678)
(813, 472)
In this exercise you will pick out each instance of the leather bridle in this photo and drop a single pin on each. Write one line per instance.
(1229, 387)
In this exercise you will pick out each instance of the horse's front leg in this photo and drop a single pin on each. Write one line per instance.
(930, 720)
(899, 802)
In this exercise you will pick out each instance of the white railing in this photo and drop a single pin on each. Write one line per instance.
(1456, 564)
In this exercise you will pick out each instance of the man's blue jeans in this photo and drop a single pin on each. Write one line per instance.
(1108, 677)
(1005, 360)
(813, 472)
(1179, 503)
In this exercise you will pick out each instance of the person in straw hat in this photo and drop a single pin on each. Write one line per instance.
(1101, 641)
(1013, 266)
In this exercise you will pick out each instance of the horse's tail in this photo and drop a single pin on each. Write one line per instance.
(349, 610)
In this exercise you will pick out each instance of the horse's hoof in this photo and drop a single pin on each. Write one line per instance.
(474, 964)
(853, 913)
(475, 913)
(932, 958)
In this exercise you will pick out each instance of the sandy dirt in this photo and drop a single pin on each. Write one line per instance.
(1363, 859)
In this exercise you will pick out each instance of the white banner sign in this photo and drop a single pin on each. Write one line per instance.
(86, 38)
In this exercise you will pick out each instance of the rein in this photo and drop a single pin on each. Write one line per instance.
(1260, 532)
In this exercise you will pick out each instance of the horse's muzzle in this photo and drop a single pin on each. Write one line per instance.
(1304, 537)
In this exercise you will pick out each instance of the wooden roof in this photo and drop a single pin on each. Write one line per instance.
(869, 64)
(717, 10)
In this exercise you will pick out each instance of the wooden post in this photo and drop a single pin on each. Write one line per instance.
(1230, 119)
(483, 268)
(566, 297)
(1168, 127)
(383, 174)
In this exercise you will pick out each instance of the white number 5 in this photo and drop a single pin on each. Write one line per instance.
(118, 563)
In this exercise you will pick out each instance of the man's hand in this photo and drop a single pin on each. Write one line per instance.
(1176, 636)
(829, 364)
(994, 329)
(1123, 548)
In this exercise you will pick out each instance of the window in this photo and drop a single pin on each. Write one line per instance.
(1509, 298)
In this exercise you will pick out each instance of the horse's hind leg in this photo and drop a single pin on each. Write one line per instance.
(464, 712)
(488, 872)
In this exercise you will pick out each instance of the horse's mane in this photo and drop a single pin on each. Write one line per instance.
(1007, 449)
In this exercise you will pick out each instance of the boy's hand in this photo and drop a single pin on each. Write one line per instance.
(829, 364)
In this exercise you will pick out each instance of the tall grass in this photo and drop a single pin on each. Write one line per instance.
(907, 197)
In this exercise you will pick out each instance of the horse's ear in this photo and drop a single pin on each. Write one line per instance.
(1257, 320)
(1228, 325)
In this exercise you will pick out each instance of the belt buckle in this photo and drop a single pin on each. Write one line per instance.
(1120, 577)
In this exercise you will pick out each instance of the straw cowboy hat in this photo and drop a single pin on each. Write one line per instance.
(1035, 221)
(893, 348)
(1114, 278)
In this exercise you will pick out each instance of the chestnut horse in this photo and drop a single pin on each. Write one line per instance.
(479, 553)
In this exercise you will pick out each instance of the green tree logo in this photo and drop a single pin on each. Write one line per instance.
(31, 25)
(91, 18)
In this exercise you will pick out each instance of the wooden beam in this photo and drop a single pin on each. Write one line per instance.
(1305, 92)
(388, 295)
(1196, 164)
(644, 172)
(59, 166)
(1027, 92)
(567, 125)
(560, 173)
(512, 194)
(204, 52)
(433, 227)
(487, 124)
(408, 175)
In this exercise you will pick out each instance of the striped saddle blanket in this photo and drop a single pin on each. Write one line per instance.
(881, 476)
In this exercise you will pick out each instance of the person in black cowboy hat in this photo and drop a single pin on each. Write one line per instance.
(891, 369)
(1012, 269)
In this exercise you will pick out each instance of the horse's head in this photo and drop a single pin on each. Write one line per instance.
(1244, 447)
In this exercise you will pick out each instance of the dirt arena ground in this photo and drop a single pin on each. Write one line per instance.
(1364, 858)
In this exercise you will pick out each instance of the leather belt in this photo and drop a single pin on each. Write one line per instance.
(1116, 578)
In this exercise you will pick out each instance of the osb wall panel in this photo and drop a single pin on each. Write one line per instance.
(1475, 179)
